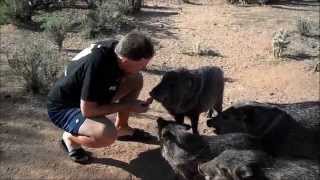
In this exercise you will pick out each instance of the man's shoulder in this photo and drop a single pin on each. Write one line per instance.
(108, 43)
(107, 46)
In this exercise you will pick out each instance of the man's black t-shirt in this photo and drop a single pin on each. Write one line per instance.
(93, 75)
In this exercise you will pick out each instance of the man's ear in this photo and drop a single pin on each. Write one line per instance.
(243, 172)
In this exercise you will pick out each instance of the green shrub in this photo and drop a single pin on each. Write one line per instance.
(19, 11)
(133, 6)
(317, 64)
(36, 62)
(106, 18)
(304, 26)
(308, 27)
(4, 18)
(56, 29)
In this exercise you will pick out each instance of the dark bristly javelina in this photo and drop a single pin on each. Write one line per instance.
(190, 92)
(184, 150)
(285, 129)
(258, 165)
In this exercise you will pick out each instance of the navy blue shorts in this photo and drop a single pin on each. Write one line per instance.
(69, 120)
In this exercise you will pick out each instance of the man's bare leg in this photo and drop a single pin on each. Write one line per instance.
(129, 89)
(94, 133)
(101, 132)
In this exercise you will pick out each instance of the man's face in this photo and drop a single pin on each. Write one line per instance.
(130, 66)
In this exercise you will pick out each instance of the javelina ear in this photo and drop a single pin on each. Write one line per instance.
(189, 83)
(161, 123)
(248, 113)
(207, 169)
(243, 172)
(167, 135)
(187, 126)
(211, 121)
(240, 113)
(200, 168)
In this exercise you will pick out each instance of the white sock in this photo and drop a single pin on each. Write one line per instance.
(70, 145)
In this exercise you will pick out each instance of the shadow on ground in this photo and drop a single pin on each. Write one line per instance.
(296, 5)
(300, 56)
(149, 165)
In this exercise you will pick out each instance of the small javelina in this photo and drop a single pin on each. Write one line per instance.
(190, 92)
(184, 150)
(258, 165)
(285, 129)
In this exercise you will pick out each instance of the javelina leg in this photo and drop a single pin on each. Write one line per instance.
(194, 123)
(179, 118)
(178, 176)
(218, 106)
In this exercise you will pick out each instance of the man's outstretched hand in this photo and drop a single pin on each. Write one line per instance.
(139, 106)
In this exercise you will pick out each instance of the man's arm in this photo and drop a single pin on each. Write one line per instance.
(92, 109)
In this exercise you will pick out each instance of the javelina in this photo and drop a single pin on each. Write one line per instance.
(190, 92)
(285, 129)
(258, 165)
(184, 150)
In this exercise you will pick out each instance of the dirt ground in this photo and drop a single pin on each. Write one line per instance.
(29, 146)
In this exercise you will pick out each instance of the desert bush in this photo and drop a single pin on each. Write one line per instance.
(19, 11)
(56, 28)
(3, 12)
(304, 26)
(199, 50)
(36, 62)
(246, 2)
(308, 27)
(46, 4)
(106, 18)
(232, 1)
(134, 5)
(280, 43)
(93, 3)
(317, 64)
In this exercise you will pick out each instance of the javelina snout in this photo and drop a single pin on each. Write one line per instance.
(211, 172)
(174, 89)
(158, 95)
(228, 121)
(179, 148)
(233, 165)
(165, 126)
(212, 123)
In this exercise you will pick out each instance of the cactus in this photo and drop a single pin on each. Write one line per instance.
(280, 43)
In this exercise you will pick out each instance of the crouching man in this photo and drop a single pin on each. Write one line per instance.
(102, 79)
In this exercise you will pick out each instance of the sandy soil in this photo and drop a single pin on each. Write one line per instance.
(29, 146)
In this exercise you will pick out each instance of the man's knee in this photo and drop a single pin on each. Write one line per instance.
(101, 131)
(105, 135)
